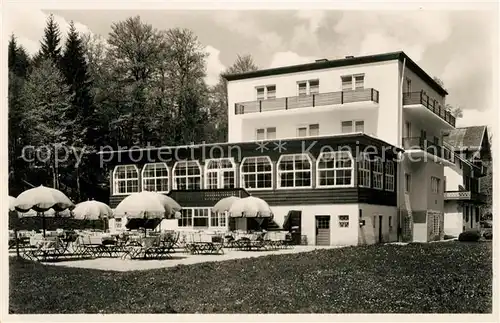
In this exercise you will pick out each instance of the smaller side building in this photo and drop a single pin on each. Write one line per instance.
(463, 198)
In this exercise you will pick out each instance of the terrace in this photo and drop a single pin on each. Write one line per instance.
(420, 99)
(419, 144)
(306, 101)
(465, 196)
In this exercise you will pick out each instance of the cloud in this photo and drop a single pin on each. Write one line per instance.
(214, 65)
(289, 58)
(243, 23)
(372, 32)
(29, 29)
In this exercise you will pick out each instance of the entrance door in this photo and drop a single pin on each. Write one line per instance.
(322, 230)
(380, 236)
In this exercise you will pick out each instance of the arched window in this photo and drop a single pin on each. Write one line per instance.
(155, 177)
(256, 173)
(364, 170)
(389, 175)
(220, 173)
(294, 171)
(378, 173)
(187, 175)
(335, 169)
(125, 179)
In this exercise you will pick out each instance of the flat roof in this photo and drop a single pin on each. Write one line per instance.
(349, 61)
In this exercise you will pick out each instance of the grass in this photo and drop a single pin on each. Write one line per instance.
(451, 277)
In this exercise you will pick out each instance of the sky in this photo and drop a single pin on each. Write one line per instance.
(456, 46)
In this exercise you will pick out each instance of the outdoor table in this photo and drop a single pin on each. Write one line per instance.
(205, 248)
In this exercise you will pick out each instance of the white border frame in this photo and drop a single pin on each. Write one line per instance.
(168, 176)
(334, 169)
(174, 182)
(242, 181)
(114, 180)
(206, 171)
(278, 182)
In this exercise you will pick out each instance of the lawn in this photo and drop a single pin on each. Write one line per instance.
(450, 277)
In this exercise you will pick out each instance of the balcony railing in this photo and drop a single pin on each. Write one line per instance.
(429, 103)
(304, 101)
(208, 195)
(428, 146)
(465, 195)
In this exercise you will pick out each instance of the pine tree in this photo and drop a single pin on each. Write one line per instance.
(75, 70)
(50, 44)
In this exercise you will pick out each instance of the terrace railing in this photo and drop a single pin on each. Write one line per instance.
(431, 104)
(465, 195)
(211, 195)
(304, 101)
(428, 146)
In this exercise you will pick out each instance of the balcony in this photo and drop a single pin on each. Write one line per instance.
(205, 197)
(420, 144)
(464, 196)
(420, 98)
(305, 101)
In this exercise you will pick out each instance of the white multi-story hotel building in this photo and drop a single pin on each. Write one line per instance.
(349, 151)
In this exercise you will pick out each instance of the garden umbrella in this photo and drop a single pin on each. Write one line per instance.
(250, 207)
(42, 199)
(147, 205)
(92, 210)
(224, 204)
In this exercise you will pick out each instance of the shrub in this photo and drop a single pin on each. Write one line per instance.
(488, 235)
(472, 235)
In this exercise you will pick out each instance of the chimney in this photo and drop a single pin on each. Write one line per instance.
(321, 60)
(349, 56)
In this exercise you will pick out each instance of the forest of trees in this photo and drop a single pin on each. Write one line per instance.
(138, 86)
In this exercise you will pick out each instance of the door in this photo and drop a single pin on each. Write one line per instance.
(322, 230)
(380, 236)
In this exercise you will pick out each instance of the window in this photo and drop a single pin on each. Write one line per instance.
(314, 129)
(389, 175)
(218, 219)
(364, 170)
(294, 171)
(408, 85)
(187, 175)
(266, 92)
(261, 93)
(378, 173)
(311, 130)
(349, 80)
(477, 214)
(200, 217)
(436, 141)
(353, 126)
(390, 222)
(118, 223)
(126, 179)
(186, 219)
(256, 172)
(334, 169)
(155, 177)
(435, 184)
(271, 91)
(266, 133)
(407, 182)
(220, 173)
(359, 81)
(374, 221)
(466, 213)
(308, 87)
(346, 83)
(343, 221)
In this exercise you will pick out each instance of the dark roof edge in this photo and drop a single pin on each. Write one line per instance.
(339, 63)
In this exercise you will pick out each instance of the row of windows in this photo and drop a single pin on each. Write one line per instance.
(309, 87)
(201, 217)
(333, 169)
(435, 184)
(311, 130)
